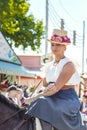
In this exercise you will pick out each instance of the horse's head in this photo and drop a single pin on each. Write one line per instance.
(12, 116)
(7, 106)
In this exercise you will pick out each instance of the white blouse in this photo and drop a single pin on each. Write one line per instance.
(52, 72)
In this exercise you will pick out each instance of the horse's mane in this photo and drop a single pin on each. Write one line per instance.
(7, 102)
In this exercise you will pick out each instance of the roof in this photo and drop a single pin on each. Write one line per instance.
(14, 69)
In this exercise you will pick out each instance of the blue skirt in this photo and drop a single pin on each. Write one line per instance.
(61, 110)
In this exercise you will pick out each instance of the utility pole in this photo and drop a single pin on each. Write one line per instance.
(83, 47)
(74, 37)
(62, 24)
(46, 29)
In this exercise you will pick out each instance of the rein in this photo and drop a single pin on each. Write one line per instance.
(20, 124)
(10, 117)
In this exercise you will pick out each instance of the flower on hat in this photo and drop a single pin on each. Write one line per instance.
(65, 39)
(56, 38)
(60, 39)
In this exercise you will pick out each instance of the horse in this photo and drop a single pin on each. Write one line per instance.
(12, 116)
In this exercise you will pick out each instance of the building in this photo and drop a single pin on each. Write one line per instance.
(10, 64)
(32, 62)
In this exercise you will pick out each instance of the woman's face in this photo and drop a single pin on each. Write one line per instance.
(13, 92)
(57, 49)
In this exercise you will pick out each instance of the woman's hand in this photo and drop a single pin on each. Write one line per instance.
(33, 98)
(45, 91)
(28, 100)
(50, 90)
(50, 86)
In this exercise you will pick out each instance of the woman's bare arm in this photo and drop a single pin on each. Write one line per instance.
(45, 84)
(63, 78)
(51, 89)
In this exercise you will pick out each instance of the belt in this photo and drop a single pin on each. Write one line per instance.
(51, 82)
(64, 87)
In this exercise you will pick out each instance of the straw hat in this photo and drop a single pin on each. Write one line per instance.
(59, 37)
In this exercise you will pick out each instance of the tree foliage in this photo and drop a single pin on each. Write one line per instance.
(18, 26)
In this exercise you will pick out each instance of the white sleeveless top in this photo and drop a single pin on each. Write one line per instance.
(52, 72)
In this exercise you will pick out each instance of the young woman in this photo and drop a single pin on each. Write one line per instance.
(58, 105)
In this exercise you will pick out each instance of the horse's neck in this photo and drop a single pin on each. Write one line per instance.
(6, 102)
(14, 116)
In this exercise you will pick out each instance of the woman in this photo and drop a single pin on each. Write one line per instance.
(58, 105)
(12, 92)
(84, 104)
(15, 95)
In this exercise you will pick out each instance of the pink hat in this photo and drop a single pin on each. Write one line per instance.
(59, 37)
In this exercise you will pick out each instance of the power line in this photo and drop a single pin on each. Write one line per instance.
(67, 12)
(55, 19)
(53, 15)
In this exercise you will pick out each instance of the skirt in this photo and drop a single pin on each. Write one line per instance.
(61, 110)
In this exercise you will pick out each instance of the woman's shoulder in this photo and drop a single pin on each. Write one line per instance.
(65, 60)
(69, 63)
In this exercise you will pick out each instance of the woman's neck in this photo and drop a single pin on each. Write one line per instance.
(57, 59)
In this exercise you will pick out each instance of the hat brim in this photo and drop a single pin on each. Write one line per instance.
(61, 43)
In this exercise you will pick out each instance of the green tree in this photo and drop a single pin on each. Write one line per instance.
(19, 26)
